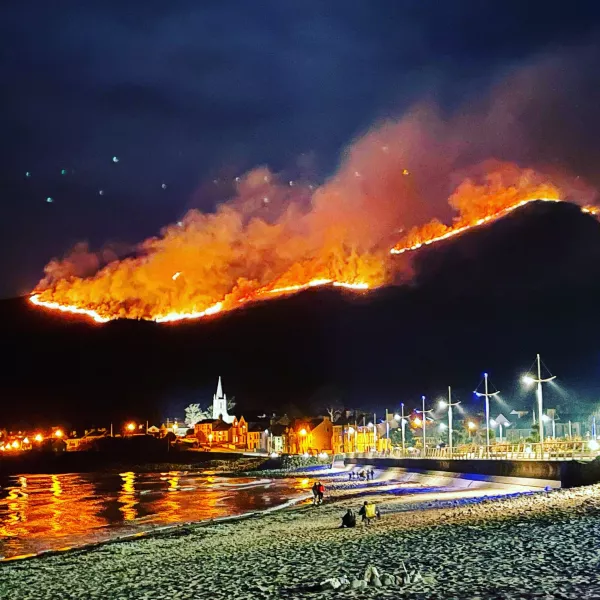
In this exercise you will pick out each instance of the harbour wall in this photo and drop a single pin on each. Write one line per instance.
(528, 473)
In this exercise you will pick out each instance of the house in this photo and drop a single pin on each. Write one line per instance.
(311, 436)
(277, 438)
(257, 437)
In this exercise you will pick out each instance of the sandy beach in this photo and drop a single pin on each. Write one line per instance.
(542, 545)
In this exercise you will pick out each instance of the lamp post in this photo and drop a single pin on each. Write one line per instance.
(424, 425)
(449, 404)
(402, 420)
(487, 397)
(351, 432)
(528, 379)
(547, 418)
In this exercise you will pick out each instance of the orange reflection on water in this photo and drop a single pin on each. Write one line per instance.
(126, 496)
(55, 520)
(42, 512)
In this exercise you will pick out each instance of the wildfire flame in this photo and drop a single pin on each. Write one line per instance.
(210, 264)
(480, 205)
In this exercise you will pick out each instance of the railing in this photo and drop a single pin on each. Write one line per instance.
(551, 450)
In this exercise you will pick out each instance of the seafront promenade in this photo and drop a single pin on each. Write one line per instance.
(540, 545)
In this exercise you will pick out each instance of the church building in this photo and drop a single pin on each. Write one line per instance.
(219, 406)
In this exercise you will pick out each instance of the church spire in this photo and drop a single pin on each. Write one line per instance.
(219, 407)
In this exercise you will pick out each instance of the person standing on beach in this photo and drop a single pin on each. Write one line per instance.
(321, 492)
(315, 491)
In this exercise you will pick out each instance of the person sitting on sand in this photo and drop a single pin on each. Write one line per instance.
(368, 511)
(349, 519)
(362, 474)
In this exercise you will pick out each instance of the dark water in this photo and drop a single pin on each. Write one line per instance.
(49, 512)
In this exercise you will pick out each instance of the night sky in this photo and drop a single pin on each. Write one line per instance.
(185, 93)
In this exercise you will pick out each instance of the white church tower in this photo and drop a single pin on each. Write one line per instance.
(219, 407)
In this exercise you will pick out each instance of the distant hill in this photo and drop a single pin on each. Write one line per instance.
(488, 300)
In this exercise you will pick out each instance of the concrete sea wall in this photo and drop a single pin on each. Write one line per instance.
(528, 473)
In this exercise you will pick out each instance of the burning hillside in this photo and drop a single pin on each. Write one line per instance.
(208, 264)
(272, 238)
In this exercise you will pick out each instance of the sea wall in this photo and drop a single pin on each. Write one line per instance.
(529, 473)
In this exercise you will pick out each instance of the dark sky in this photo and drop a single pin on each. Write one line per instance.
(184, 92)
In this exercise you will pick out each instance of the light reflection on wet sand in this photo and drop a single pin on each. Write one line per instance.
(42, 512)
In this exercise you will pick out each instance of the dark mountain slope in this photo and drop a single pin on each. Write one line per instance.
(488, 300)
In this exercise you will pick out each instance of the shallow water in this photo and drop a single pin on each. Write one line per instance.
(50, 512)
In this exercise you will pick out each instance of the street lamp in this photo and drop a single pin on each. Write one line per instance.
(449, 404)
(528, 380)
(487, 396)
(351, 432)
(303, 433)
(471, 427)
(424, 424)
(547, 418)
(403, 421)
(130, 427)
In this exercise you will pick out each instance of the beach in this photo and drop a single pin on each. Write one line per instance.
(542, 545)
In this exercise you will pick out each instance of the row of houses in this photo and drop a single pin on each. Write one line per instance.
(284, 436)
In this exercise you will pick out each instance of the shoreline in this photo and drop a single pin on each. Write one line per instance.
(541, 544)
(339, 490)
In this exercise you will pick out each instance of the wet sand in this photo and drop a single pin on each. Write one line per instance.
(543, 545)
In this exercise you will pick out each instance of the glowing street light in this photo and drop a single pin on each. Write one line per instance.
(59, 433)
(449, 405)
(130, 427)
(351, 432)
(303, 432)
(487, 397)
(529, 380)
(39, 438)
(401, 417)
(424, 422)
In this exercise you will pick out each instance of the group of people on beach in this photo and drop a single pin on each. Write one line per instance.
(368, 511)
(364, 474)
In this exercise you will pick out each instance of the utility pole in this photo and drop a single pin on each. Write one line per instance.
(487, 397)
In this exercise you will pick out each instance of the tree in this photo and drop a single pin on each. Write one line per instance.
(230, 404)
(194, 414)
(334, 410)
